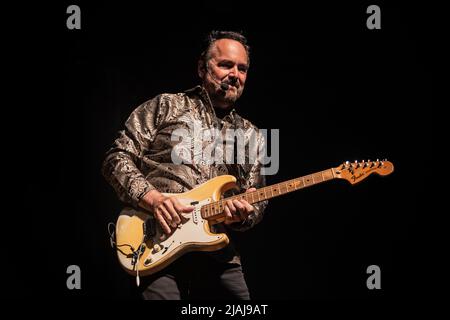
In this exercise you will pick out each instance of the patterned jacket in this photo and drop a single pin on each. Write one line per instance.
(163, 147)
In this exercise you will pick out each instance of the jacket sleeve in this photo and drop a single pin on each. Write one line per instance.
(253, 179)
(122, 164)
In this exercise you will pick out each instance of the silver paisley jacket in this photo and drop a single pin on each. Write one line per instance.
(142, 157)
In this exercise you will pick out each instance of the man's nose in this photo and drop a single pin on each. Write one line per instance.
(233, 72)
(233, 75)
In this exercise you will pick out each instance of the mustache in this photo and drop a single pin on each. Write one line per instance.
(233, 82)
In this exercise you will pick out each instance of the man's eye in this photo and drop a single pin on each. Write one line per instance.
(225, 66)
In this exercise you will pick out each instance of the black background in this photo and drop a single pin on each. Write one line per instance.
(335, 89)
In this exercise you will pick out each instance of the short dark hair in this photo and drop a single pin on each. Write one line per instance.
(217, 35)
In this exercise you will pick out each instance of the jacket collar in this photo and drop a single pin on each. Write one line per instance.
(203, 94)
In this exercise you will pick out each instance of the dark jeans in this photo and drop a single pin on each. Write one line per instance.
(196, 275)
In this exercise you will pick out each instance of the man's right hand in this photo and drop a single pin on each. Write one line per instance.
(167, 210)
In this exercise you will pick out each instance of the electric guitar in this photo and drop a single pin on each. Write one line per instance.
(143, 248)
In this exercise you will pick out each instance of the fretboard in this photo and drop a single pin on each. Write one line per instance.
(215, 209)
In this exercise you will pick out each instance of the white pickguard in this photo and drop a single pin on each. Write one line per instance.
(191, 231)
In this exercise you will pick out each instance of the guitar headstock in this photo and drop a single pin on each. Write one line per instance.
(355, 172)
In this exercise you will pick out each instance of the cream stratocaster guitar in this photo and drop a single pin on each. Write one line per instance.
(143, 248)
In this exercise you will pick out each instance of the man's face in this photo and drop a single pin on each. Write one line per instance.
(228, 63)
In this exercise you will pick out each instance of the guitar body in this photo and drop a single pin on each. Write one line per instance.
(138, 229)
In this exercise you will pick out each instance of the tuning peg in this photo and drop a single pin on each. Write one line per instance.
(347, 165)
(350, 166)
(357, 165)
(364, 164)
(378, 163)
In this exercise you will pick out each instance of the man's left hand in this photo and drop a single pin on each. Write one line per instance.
(238, 210)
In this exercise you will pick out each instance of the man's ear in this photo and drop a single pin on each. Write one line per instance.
(201, 68)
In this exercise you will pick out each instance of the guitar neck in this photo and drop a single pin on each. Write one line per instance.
(215, 209)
